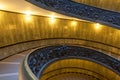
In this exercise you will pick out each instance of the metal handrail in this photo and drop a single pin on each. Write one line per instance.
(44, 61)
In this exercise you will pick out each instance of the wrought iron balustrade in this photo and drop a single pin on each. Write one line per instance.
(40, 57)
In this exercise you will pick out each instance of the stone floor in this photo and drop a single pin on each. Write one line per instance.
(9, 66)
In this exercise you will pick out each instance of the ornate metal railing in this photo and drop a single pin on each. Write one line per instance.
(39, 59)
(82, 11)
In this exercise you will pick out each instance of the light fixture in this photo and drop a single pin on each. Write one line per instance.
(73, 23)
(28, 15)
(52, 19)
(97, 26)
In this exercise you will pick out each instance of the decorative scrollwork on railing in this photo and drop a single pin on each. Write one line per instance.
(42, 56)
(81, 11)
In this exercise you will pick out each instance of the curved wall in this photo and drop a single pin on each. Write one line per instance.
(79, 66)
(105, 4)
(16, 28)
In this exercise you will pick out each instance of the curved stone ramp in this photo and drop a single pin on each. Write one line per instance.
(10, 65)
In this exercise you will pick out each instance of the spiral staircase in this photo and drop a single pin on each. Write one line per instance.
(82, 44)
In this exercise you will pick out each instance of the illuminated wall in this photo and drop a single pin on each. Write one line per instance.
(15, 28)
(74, 65)
(105, 4)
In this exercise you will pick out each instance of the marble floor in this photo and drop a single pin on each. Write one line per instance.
(9, 66)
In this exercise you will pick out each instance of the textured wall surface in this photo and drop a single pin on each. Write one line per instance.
(75, 65)
(105, 4)
(13, 49)
(14, 28)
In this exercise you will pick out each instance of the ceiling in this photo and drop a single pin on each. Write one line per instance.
(22, 6)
